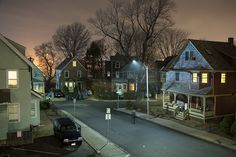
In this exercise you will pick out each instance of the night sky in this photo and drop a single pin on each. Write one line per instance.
(31, 22)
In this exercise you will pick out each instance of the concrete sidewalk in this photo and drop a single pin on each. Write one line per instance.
(98, 142)
(209, 137)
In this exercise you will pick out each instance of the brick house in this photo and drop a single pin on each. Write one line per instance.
(200, 82)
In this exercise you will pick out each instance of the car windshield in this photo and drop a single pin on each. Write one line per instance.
(68, 128)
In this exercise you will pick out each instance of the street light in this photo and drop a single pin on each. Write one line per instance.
(147, 93)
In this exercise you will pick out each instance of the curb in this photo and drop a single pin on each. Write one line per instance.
(98, 151)
(216, 142)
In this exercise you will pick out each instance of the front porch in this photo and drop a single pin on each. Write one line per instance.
(185, 106)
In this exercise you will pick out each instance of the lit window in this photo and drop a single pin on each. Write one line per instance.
(223, 78)
(108, 74)
(13, 112)
(66, 84)
(194, 77)
(204, 77)
(131, 87)
(66, 74)
(74, 63)
(12, 78)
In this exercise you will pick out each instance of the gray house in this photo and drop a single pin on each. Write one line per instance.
(19, 104)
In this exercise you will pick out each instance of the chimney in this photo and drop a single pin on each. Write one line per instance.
(231, 41)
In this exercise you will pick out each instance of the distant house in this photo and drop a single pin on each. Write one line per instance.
(128, 74)
(72, 74)
(38, 84)
(200, 82)
(19, 104)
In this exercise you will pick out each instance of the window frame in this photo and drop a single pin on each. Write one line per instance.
(79, 73)
(186, 55)
(66, 71)
(194, 79)
(117, 65)
(7, 79)
(74, 63)
(18, 113)
(177, 76)
(34, 103)
(202, 78)
(223, 78)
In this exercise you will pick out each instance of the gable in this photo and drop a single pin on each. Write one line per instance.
(191, 59)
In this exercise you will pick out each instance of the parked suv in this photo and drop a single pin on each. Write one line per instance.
(67, 131)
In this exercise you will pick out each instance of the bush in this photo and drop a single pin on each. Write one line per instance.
(226, 123)
(233, 128)
(45, 104)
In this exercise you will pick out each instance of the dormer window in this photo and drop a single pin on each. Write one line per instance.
(223, 78)
(204, 77)
(74, 63)
(117, 65)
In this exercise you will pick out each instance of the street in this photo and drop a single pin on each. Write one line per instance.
(142, 138)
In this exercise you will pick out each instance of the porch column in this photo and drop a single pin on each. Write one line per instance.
(204, 109)
(163, 99)
(174, 97)
(188, 101)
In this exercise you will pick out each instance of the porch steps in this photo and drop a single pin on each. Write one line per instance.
(180, 116)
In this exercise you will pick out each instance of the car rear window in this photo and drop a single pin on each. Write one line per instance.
(68, 128)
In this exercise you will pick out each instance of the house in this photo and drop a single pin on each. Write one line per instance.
(200, 82)
(19, 104)
(129, 74)
(71, 73)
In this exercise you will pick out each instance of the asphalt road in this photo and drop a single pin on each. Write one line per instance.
(142, 139)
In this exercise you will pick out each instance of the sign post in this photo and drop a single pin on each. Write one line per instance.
(108, 118)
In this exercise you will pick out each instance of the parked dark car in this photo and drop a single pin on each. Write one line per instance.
(67, 132)
(58, 94)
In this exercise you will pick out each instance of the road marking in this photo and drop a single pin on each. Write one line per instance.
(36, 151)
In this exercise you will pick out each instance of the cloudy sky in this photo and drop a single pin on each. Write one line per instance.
(31, 22)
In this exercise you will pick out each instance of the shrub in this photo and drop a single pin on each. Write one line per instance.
(226, 123)
(45, 104)
(233, 128)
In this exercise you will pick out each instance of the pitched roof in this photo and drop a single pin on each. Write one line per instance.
(66, 61)
(15, 49)
(219, 55)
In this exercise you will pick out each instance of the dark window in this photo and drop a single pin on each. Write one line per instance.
(192, 57)
(177, 76)
(187, 55)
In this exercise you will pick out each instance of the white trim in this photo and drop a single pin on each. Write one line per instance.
(34, 102)
(65, 74)
(17, 78)
(18, 112)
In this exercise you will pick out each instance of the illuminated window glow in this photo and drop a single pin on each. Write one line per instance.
(194, 77)
(223, 78)
(131, 87)
(74, 63)
(12, 79)
(204, 77)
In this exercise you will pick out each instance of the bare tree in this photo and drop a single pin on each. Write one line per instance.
(134, 25)
(48, 59)
(171, 41)
(71, 39)
(116, 22)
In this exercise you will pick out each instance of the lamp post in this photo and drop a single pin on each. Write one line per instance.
(147, 90)
(146, 67)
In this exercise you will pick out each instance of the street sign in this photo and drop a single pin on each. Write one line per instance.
(108, 110)
(108, 117)
(119, 92)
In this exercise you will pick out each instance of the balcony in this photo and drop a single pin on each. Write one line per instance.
(5, 95)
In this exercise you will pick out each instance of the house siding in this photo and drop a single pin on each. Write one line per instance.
(199, 61)
(225, 88)
(20, 95)
(225, 105)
